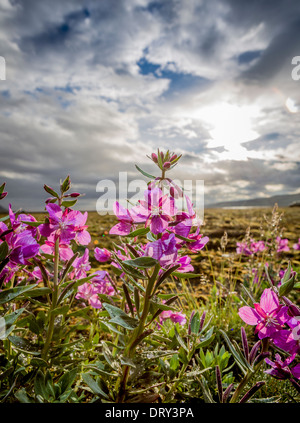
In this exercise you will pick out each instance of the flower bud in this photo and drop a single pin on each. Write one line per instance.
(154, 157)
(173, 157)
(167, 165)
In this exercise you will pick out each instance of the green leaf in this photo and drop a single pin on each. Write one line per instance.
(39, 385)
(69, 203)
(119, 317)
(137, 232)
(165, 275)
(4, 218)
(60, 310)
(126, 322)
(186, 275)
(207, 339)
(50, 191)
(208, 398)
(8, 295)
(38, 362)
(12, 317)
(287, 274)
(180, 340)
(286, 287)
(34, 224)
(22, 396)
(163, 306)
(174, 362)
(239, 359)
(67, 380)
(93, 385)
(3, 250)
(195, 323)
(37, 292)
(2, 187)
(24, 345)
(143, 262)
(145, 173)
(127, 362)
(9, 321)
(65, 186)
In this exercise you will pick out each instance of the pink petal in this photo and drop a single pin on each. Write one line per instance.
(121, 228)
(269, 300)
(249, 315)
(83, 237)
(121, 213)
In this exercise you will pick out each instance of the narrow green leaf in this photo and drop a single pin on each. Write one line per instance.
(24, 345)
(145, 173)
(8, 295)
(93, 385)
(67, 380)
(186, 275)
(286, 287)
(60, 310)
(143, 262)
(69, 203)
(239, 359)
(34, 224)
(138, 232)
(50, 191)
(195, 323)
(180, 340)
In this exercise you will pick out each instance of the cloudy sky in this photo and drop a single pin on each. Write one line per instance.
(92, 87)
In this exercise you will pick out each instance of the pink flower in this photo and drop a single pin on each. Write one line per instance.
(176, 317)
(242, 248)
(297, 246)
(17, 222)
(289, 340)
(282, 245)
(156, 210)
(268, 316)
(82, 236)
(125, 225)
(258, 246)
(87, 292)
(81, 266)
(62, 223)
(102, 254)
(65, 252)
(185, 264)
(164, 249)
(198, 242)
(23, 246)
(281, 370)
(99, 284)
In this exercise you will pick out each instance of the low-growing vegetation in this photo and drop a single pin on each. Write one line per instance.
(149, 305)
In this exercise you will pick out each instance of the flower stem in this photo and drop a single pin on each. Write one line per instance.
(53, 303)
(130, 349)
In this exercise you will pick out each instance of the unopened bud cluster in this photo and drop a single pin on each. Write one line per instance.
(165, 161)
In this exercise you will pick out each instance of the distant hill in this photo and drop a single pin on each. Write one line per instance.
(281, 200)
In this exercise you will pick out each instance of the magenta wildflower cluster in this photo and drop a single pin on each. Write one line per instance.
(254, 247)
(277, 319)
(135, 328)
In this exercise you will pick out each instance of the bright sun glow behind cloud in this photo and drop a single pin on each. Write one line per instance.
(229, 126)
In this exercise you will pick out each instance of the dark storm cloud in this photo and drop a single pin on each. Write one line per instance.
(94, 86)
